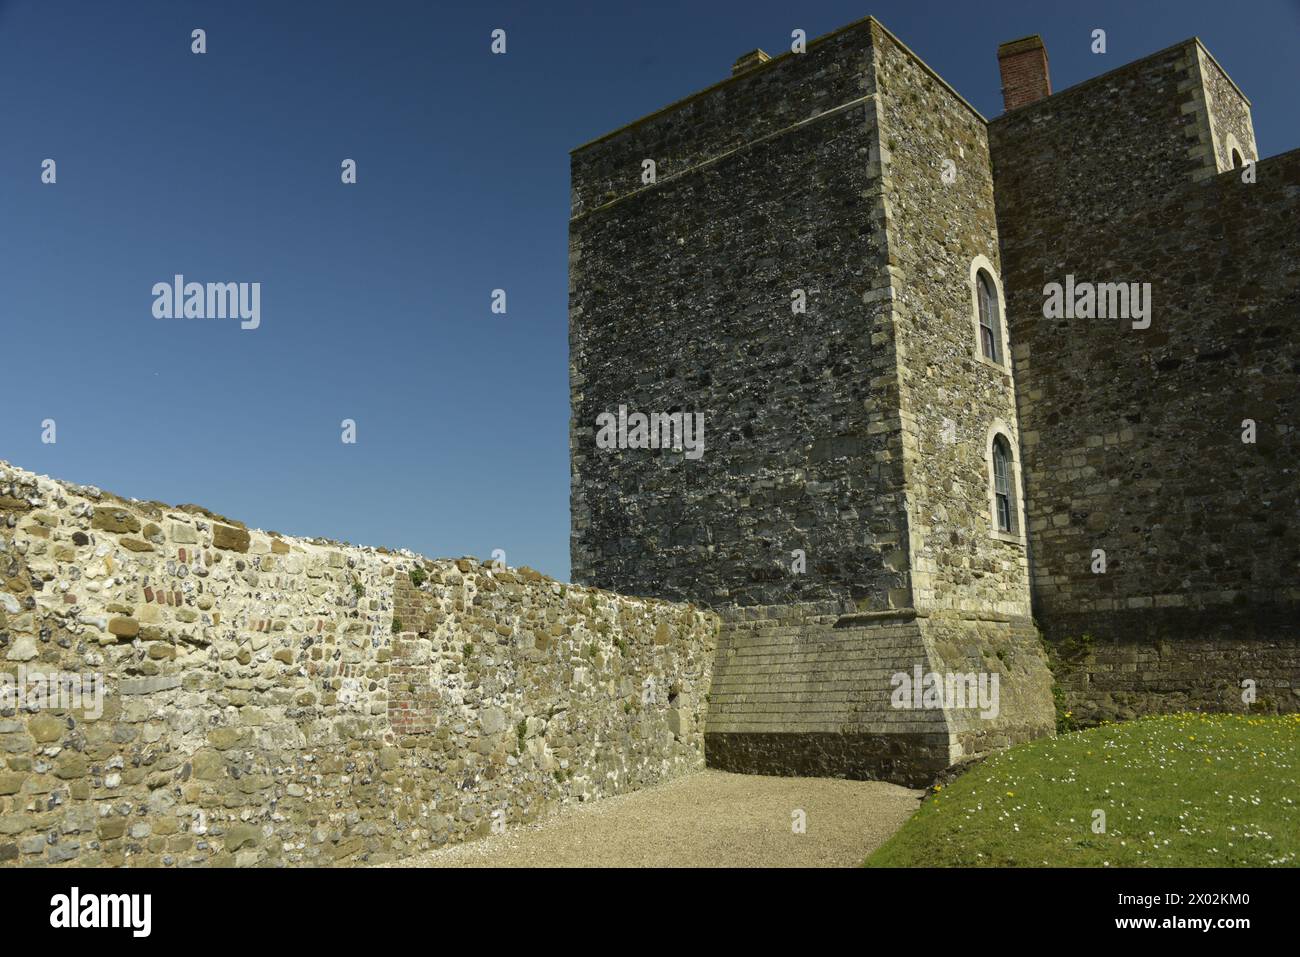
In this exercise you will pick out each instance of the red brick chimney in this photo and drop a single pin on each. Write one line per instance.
(1024, 71)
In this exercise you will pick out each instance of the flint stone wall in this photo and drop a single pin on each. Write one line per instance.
(262, 706)
(1132, 438)
(680, 300)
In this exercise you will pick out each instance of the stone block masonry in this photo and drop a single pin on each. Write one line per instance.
(278, 701)
(808, 690)
(680, 299)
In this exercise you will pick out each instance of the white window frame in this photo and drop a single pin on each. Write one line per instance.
(1001, 341)
(1016, 535)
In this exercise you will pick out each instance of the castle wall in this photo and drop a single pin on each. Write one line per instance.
(275, 700)
(1096, 151)
(681, 300)
(1162, 660)
(1133, 438)
(950, 396)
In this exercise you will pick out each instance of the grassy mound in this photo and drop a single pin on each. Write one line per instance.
(1184, 790)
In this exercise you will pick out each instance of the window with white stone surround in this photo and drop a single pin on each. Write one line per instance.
(987, 311)
(1006, 514)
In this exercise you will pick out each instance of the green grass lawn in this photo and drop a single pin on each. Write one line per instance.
(1184, 790)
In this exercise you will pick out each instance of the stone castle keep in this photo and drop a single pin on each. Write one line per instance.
(906, 468)
(949, 463)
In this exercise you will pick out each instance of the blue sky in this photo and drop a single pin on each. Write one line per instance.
(375, 297)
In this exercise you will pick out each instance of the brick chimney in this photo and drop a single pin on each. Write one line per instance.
(1024, 71)
(750, 60)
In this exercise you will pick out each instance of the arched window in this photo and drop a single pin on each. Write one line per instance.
(987, 306)
(990, 329)
(1004, 505)
(1236, 153)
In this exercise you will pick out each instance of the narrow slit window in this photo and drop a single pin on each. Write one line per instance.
(988, 310)
(1002, 483)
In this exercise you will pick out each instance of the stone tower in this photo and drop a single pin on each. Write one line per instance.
(802, 271)
(808, 257)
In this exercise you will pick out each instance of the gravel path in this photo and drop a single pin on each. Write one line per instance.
(706, 819)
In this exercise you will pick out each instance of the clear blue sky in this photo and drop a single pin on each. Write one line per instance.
(375, 297)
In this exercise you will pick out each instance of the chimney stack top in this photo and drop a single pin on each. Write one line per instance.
(1025, 78)
(750, 60)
